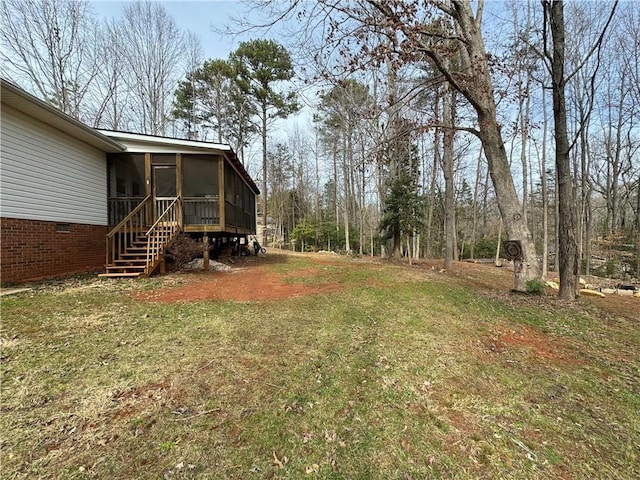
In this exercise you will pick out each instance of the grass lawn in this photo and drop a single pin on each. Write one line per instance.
(311, 366)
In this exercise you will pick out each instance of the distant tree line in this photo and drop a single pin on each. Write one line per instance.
(430, 134)
(532, 135)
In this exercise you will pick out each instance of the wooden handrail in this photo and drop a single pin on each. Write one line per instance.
(163, 214)
(125, 232)
(133, 212)
(162, 232)
(134, 226)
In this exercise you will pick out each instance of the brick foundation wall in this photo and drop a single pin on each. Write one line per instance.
(33, 249)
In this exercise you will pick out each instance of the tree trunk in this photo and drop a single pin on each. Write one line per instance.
(638, 230)
(346, 177)
(396, 252)
(335, 187)
(371, 245)
(476, 190)
(477, 87)
(508, 203)
(497, 261)
(617, 163)
(264, 175)
(545, 198)
(363, 187)
(485, 202)
(347, 243)
(524, 136)
(434, 177)
(448, 113)
(585, 194)
(567, 249)
(587, 233)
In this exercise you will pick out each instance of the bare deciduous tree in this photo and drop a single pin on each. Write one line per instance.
(153, 55)
(110, 94)
(567, 248)
(473, 80)
(50, 46)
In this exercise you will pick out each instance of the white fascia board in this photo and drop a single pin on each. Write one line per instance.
(170, 144)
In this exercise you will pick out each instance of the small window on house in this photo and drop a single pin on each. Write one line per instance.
(63, 227)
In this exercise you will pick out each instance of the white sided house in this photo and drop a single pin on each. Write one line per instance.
(53, 181)
(75, 199)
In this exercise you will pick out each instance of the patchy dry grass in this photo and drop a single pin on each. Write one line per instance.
(399, 373)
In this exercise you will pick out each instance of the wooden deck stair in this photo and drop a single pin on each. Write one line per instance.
(136, 250)
(132, 262)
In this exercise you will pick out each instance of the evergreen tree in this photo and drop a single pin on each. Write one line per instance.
(261, 65)
(404, 205)
(185, 106)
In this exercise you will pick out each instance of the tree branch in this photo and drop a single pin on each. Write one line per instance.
(597, 45)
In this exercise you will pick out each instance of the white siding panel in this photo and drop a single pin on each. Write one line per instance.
(49, 175)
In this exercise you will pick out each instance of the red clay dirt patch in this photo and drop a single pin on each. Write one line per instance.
(529, 341)
(249, 284)
(255, 282)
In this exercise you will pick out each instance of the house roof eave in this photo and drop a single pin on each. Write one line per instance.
(158, 140)
(23, 101)
(237, 165)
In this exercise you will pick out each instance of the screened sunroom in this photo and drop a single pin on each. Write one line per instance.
(216, 193)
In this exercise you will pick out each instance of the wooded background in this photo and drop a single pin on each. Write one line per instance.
(382, 152)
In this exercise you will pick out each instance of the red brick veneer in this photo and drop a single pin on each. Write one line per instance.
(34, 249)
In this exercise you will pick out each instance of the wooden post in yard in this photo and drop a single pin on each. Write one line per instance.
(205, 252)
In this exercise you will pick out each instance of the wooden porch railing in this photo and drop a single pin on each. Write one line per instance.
(120, 207)
(123, 234)
(162, 232)
(201, 210)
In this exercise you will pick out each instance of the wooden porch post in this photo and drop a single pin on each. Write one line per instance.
(147, 186)
(221, 201)
(178, 174)
(179, 187)
(205, 252)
